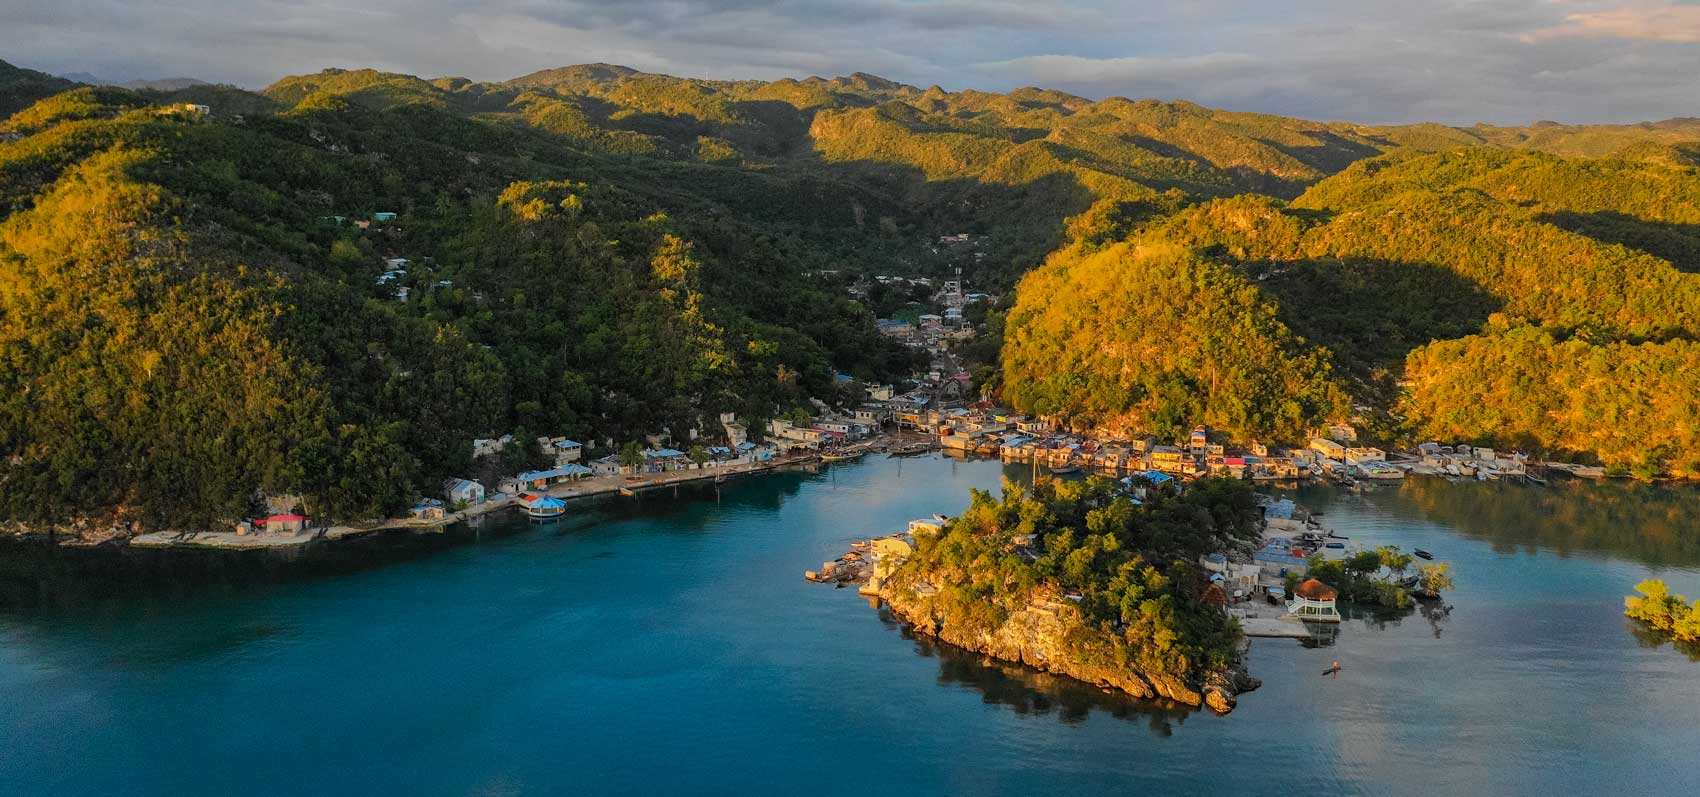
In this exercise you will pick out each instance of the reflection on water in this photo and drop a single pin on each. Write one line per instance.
(659, 644)
(1031, 692)
(1650, 523)
(1653, 640)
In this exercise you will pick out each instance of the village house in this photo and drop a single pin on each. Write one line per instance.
(1358, 456)
(736, 433)
(285, 524)
(1170, 459)
(804, 436)
(1328, 448)
(489, 447)
(463, 492)
(427, 509)
(542, 479)
(665, 459)
(608, 466)
(1341, 433)
(561, 449)
(873, 415)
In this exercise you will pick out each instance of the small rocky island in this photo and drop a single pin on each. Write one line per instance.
(1078, 578)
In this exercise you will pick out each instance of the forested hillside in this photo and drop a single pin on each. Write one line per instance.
(194, 312)
(1011, 167)
(190, 315)
(1514, 299)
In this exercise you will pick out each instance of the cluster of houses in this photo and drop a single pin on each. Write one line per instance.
(934, 331)
(1477, 462)
(988, 431)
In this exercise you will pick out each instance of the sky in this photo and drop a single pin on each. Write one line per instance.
(1371, 61)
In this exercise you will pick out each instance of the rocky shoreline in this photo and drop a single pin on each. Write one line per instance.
(1035, 637)
(1039, 636)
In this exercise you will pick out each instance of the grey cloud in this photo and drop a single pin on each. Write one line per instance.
(1459, 61)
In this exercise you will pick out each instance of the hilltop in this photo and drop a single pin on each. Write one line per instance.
(195, 312)
(1518, 299)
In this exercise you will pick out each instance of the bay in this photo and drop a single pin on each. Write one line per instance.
(668, 643)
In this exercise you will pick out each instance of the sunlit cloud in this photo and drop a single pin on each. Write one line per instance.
(1659, 23)
(1373, 61)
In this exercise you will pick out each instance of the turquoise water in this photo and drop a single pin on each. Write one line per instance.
(669, 644)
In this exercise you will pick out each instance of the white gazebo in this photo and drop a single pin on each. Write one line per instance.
(1314, 601)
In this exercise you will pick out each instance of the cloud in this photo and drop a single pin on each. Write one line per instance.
(1457, 61)
(1659, 23)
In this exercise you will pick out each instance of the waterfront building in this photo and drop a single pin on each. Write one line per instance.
(1314, 601)
(463, 491)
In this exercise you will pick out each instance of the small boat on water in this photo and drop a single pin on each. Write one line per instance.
(627, 491)
(542, 507)
(910, 450)
(1061, 470)
(1423, 554)
(841, 456)
(1335, 545)
(1533, 479)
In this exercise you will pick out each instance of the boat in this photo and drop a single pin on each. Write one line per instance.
(1423, 554)
(1065, 469)
(841, 457)
(542, 507)
(1335, 545)
(1533, 479)
(627, 491)
(910, 450)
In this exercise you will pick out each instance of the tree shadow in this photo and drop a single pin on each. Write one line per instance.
(1677, 243)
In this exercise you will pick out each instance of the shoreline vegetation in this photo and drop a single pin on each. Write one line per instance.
(1109, 584)
(1665, 616)
(1076, 578)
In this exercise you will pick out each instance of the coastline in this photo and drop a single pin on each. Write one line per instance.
(593, 487)
(1033, 637)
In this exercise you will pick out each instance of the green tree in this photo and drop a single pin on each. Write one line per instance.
(631, 454)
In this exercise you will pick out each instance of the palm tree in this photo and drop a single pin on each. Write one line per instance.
(631, 455)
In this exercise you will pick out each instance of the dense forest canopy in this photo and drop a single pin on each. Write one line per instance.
(1518, 299)
(1126, 572)
(194, 309)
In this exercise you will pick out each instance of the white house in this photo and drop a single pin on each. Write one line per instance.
(463, 491)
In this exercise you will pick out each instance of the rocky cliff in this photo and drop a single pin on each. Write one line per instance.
(1048, 634)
